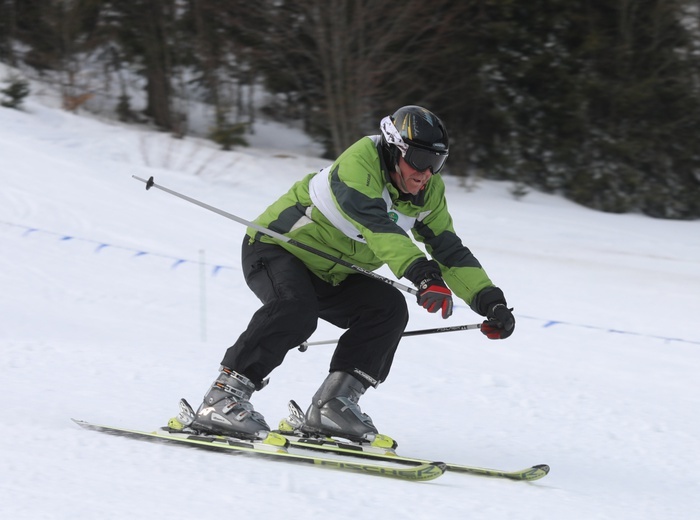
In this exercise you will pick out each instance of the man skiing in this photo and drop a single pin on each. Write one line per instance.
(361, 209)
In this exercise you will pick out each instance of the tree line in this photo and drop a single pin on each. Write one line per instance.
(597, 100)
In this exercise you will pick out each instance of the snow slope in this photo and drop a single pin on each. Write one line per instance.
(118, 301)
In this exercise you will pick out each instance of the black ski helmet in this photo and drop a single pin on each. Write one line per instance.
(417, 135)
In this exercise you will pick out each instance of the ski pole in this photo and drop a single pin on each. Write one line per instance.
(151, 184)
(304, 346)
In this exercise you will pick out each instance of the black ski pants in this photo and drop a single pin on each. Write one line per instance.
(374, 313)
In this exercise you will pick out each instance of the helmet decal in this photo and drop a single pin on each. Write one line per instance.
(392, 135)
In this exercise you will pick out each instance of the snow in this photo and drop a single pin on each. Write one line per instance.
(118, 301)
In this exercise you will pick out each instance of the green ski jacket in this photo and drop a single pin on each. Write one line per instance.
(353, 211)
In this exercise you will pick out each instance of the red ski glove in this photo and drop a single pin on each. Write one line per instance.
(433, 295)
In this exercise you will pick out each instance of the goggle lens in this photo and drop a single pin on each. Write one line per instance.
(421, 160)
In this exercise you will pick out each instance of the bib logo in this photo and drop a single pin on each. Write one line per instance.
(394, 216)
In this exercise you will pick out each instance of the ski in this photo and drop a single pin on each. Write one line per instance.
(383, 448)
(367, 451)
(274, 447)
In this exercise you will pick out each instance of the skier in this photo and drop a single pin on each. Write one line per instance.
(361, 208)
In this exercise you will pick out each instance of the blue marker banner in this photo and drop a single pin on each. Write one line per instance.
(216, 269)
(99, 246)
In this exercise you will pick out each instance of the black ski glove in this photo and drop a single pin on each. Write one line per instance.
(433, 294)
(500, 322)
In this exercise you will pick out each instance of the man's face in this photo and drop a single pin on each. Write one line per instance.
(408, 179)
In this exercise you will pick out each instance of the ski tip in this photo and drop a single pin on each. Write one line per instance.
(86, 424)
(440, 468)
(425, 472)
(536, 472)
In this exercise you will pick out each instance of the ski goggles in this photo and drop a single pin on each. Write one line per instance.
(421, 159)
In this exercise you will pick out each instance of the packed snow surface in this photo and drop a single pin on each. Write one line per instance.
(119, 301)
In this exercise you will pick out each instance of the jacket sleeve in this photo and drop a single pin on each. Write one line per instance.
(460, 269)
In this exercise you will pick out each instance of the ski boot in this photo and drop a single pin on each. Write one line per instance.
(293, 427)
(334, 410)
(227, 410)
